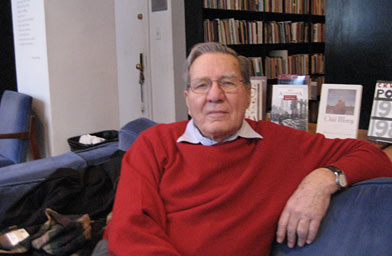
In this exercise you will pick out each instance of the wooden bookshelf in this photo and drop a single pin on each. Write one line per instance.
(196, 13)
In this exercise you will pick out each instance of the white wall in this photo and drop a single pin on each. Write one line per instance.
(66, 60)
(70, 68)
(167, 45)
(82, 68)
(31, 60)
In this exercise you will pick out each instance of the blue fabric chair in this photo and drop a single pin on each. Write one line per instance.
(16, 128)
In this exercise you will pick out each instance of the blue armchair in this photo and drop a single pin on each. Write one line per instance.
(17, 129)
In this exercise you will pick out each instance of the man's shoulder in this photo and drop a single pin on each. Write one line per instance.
(166, 129)
(268, 128)
(261, 125)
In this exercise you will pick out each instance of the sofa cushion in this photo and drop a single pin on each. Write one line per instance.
(98, 154)
(129, 132)
(358, 222)
(17, 179)
(5, 161)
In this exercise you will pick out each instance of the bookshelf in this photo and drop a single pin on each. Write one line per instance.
(309, 47)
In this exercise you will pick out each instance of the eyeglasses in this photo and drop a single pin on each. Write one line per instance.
(228, 85)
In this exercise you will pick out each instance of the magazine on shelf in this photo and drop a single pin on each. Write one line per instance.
(380, 125)
(293, 79)
(290, 105)
(257, 107)
(339, 110)
(296, 79)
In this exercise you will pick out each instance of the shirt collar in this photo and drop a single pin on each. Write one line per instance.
(192, 134)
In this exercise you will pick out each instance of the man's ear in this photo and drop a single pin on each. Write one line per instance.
(248, 95)
(186, 101)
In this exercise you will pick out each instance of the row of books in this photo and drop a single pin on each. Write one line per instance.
(232, 31)
(338, 111)
(296, 64)
(246, 5)
(296, 6)
(317, 66)
(316, 7)
(282, 32)
(279, 62)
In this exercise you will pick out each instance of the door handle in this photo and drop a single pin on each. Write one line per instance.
(140, 67)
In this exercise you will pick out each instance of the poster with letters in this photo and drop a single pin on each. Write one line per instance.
(380, 125)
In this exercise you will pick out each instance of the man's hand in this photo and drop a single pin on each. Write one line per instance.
(302, 215)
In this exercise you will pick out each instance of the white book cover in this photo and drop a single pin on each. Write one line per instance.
(257, 107)
(340, 106)
(380, 125)
(290, 105)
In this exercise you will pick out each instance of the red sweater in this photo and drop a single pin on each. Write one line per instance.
(183, 199)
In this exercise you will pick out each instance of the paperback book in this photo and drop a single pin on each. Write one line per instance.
(257, 107)
(339, 110)
(380, 125)
(290, 105)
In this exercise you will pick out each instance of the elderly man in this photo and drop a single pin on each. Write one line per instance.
(222, 185)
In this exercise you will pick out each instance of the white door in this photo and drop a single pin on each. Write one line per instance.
(132, 36)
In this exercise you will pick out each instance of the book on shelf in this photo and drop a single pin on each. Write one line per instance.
(298, 64)
(273, 67)
(320, 80)
(318, 33)
(313, 90)
(290, 105)
(317, 61)
(284, 55)
(339, 110)
(297, 6)
(318, 7)
(257, 65)
(380, 125)
(257, 107)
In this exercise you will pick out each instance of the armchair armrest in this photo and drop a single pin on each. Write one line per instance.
(26, 135)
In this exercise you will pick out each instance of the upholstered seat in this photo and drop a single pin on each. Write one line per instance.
(16, 128)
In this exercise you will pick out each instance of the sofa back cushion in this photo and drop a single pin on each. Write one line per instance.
(129, 132)
(358, 222)
(18, 179)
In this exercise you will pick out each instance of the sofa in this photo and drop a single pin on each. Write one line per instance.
(19, 181)
(358, 222)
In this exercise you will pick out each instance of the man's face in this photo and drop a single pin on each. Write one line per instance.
(217, 114)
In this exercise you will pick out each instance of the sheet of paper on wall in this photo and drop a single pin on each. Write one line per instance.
(380, 125)
(290, 105)
(339, 110)
(257, 107)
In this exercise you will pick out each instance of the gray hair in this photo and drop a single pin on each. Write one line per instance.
(211, 47)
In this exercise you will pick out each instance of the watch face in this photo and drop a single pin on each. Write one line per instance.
(342, 180)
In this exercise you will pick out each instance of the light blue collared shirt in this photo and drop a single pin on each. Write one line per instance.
(192, 134)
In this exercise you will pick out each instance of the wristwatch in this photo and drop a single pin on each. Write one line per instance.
(340, 177)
